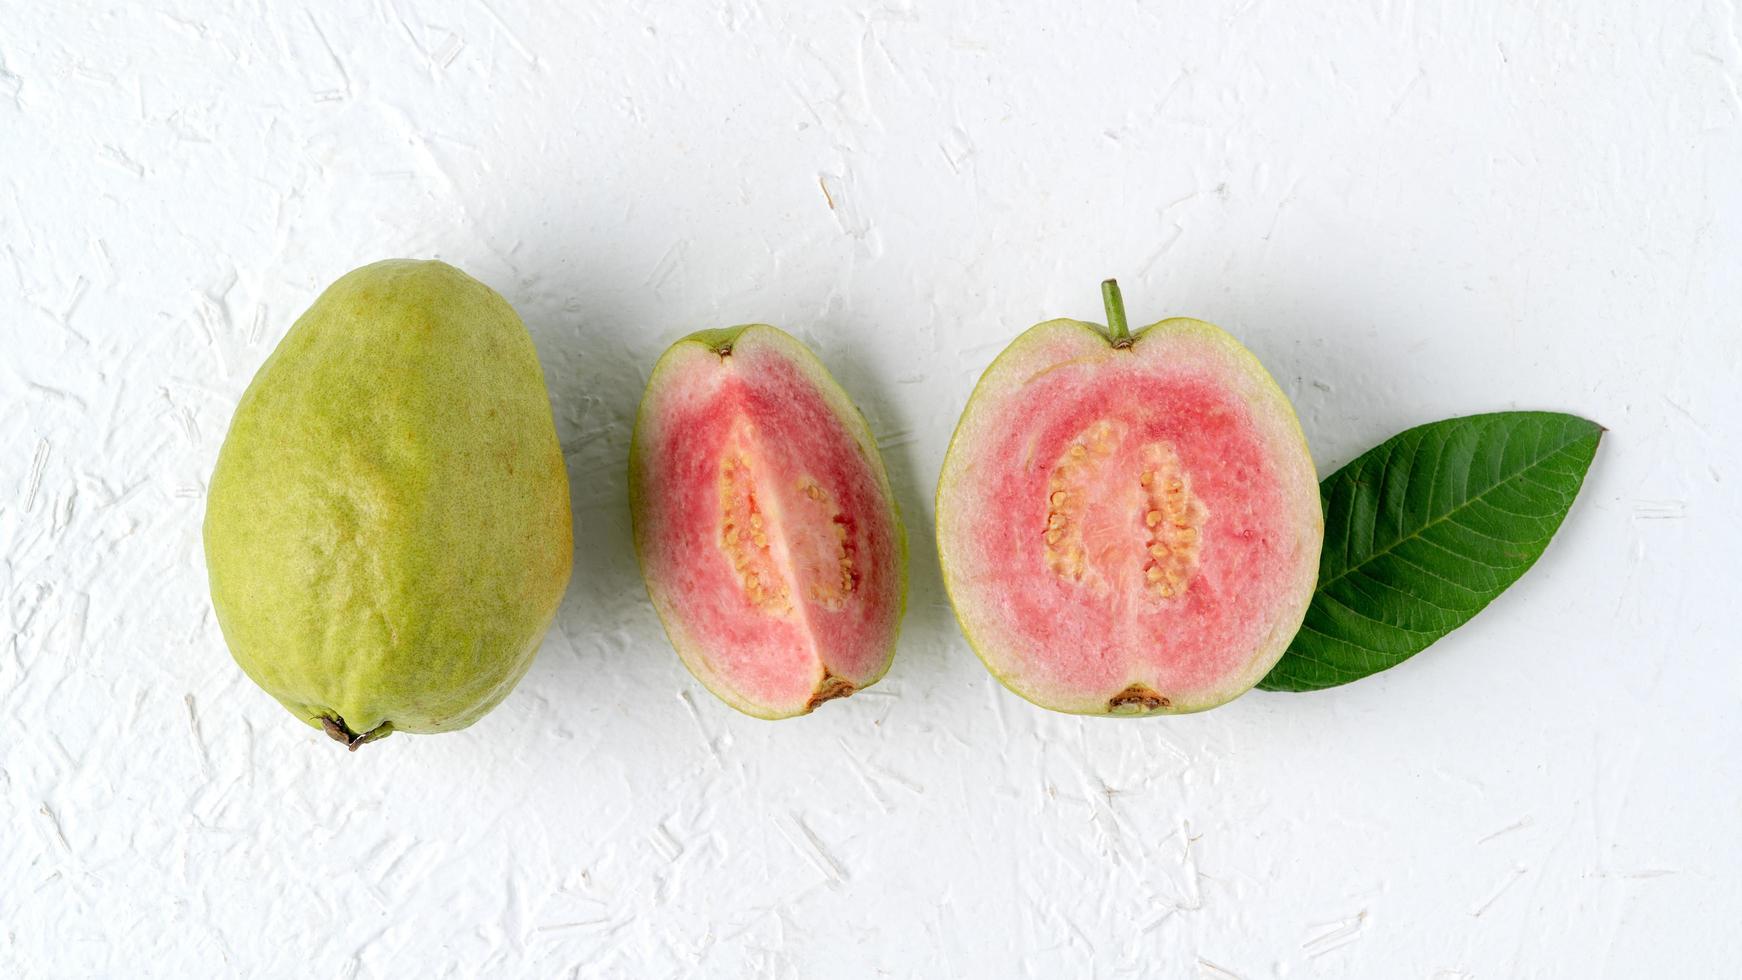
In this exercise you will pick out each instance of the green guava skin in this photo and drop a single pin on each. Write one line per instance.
(387, 531)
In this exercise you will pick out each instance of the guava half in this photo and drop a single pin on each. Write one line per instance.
(765, 526)
(387, 529)
(1128, 523)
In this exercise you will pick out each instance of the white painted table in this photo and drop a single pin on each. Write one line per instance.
(1407, 210)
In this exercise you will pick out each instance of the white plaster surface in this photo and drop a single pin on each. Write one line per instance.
(1408, 210)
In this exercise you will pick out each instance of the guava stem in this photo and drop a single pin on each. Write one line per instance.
(340, 732)
(336, 728)
(1115, 303)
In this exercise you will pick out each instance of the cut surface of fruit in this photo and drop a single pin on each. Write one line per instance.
(1128, 524)
(764, 523)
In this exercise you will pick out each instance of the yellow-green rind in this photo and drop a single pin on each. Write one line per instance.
(388, 532)
(1265, 387)
(690, 649)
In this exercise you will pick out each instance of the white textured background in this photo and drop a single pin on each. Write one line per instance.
(1408, 210)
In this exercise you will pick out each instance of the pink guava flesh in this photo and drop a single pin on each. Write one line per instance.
(1129, 530)
(764, 523)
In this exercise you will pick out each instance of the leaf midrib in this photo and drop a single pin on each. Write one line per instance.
(1468, 502)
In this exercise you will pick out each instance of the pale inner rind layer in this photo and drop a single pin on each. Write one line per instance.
(1129, 530)
(764, 524)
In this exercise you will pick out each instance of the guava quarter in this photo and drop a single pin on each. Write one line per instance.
(765, 526)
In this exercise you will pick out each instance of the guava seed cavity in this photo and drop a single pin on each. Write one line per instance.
(744, 536)
(822, 559)
(829, 558)
(1173, 521)
(1100, 513)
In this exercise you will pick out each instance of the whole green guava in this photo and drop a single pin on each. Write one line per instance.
(387, 529)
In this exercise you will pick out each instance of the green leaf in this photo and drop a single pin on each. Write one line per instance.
(1424, 530)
